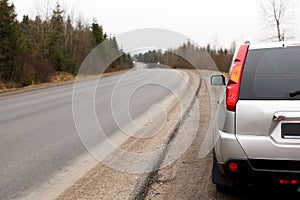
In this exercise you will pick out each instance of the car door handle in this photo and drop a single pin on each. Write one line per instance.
(286, 116)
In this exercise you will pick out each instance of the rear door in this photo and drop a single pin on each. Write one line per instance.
(268, 110)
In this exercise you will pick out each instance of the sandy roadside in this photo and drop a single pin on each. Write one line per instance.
(189, 177)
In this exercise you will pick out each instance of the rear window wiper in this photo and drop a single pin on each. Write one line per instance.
(294, 93)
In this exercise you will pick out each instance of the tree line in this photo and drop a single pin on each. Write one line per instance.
(31, 50)
(189, 56)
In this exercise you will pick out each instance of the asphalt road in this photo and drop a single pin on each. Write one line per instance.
(37, 130)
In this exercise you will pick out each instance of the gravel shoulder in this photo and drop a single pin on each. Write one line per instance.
(189, 177)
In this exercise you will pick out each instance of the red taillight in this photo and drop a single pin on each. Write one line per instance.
(294, 182)
(233, 87)
(288, 182)
(232, 96)
(233, 166)
(284, 182)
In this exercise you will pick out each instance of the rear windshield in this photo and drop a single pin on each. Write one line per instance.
(271, 74)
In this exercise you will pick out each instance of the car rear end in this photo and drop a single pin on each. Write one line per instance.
(257, 132)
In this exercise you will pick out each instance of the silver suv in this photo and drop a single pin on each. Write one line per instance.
(257, 129)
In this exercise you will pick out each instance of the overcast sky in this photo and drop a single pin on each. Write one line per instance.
(218, 22)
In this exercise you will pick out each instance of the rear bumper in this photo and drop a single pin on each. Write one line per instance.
(260, 174)
(254, 171)
(229, 146)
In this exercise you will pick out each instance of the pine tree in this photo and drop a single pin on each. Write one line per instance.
(56, 39)
(97, 31)
(68, 61)
(9, 40)
(27, 34)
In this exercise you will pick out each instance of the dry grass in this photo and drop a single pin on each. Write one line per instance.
(59, 77)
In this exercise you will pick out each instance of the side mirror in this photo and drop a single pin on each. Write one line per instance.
(218, 80)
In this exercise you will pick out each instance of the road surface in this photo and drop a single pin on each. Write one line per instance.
(37, 131)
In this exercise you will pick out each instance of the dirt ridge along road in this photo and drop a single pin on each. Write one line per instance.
(189, 177)
(105, 182)
(143, 188)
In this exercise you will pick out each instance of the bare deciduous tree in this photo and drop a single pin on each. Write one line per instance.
(278, 14)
